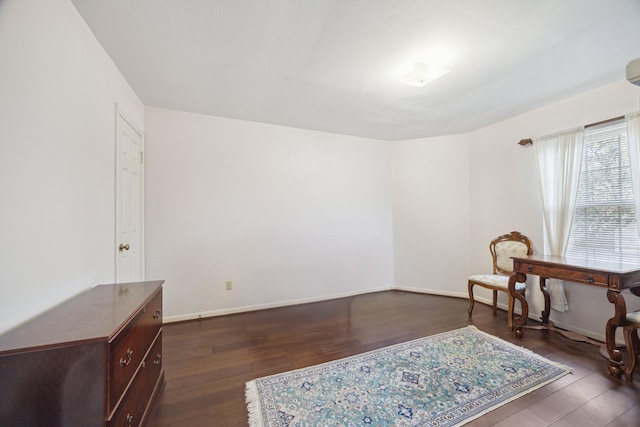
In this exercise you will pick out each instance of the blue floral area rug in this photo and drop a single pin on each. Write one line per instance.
(447, 379)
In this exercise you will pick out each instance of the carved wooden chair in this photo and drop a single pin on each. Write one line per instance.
(502, 248)
(632, 343)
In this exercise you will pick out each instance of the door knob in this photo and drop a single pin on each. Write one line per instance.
(123, 247)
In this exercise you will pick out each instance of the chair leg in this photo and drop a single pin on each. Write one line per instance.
(495, 301)
(471, 301)
(635, 342)
(510, 307)
(632, 343)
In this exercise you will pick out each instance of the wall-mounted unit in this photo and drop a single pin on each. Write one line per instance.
(633, 72)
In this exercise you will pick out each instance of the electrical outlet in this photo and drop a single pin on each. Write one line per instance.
(228, 285)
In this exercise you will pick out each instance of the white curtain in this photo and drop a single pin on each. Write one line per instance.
(633, 136)
(559, 158)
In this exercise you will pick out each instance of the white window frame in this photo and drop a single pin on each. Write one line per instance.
(604, 223)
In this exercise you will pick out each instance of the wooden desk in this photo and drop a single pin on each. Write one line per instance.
(609, 275)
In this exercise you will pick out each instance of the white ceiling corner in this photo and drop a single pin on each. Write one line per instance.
(328, 65)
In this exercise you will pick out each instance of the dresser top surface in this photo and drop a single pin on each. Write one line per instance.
(92, 315)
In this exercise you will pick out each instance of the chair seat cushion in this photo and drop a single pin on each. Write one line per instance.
(496, 280)
(634, 317)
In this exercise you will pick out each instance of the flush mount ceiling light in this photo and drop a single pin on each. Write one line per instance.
(423, 74)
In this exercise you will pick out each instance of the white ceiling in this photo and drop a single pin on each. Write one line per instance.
(329, 65)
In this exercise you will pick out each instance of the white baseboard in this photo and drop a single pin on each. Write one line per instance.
(432, 292)
(463, 295)
(591, 334)
(234, 310)
(598, 336)
(243, 309)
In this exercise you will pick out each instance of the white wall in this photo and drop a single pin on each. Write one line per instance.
(503, 194)
(431, 214)
(287, 215)
(452, 195)
(58, 90)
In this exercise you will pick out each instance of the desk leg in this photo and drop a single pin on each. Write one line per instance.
(615, 358)
(519, 321)
(547, 301)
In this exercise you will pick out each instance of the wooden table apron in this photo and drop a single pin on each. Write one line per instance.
(609, 275)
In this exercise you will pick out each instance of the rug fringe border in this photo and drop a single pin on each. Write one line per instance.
(253, 406)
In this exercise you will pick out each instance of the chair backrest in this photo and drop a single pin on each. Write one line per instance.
(506, 246)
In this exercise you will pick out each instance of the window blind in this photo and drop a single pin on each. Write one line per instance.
(604, 225)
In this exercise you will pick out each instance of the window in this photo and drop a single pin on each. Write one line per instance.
(604, 224)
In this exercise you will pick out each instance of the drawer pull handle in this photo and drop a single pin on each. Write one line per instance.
(590, 279)
(129, 419)
(157, 314)
(123, 362)
(158, 357)
(530, 269)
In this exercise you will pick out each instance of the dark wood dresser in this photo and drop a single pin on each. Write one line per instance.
(94, 360)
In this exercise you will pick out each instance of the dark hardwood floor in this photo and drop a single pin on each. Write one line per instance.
(207, 362)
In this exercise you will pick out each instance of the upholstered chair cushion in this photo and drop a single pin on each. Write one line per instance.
(506, 250)
(498, 280)
(634, 317)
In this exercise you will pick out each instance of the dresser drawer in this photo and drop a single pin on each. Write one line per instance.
(129, 346)
(590, 278)
(132, 408)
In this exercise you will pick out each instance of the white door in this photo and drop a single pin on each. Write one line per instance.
(129, 202)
